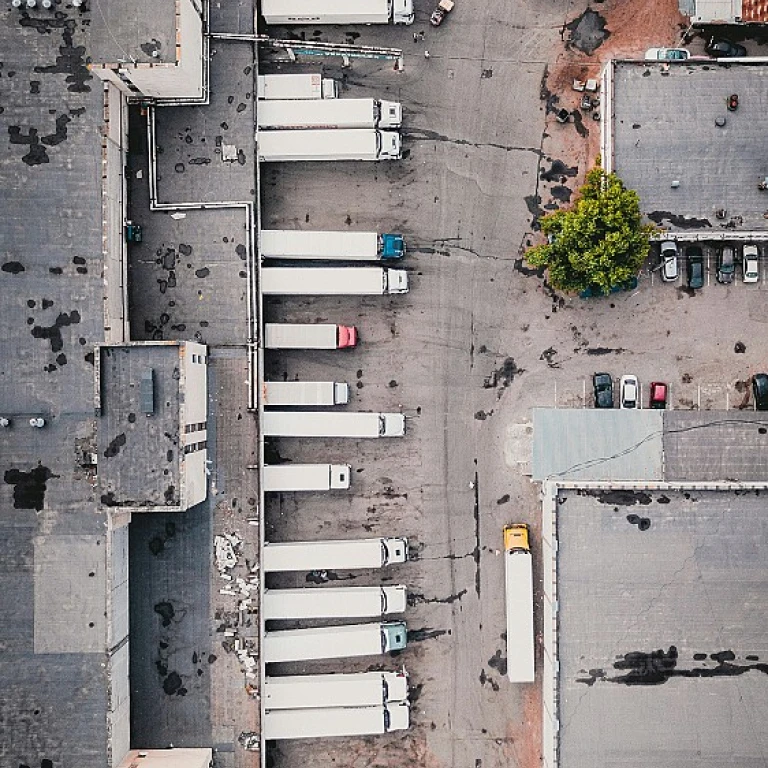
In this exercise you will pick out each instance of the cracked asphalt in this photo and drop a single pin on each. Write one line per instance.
(478, 342)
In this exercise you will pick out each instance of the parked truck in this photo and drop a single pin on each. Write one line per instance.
(334, 642)
(306, 477)
(289, 114)
(328, 144)
(333, 602)
(295, 86)
(333, 281)
(335, 721)
(337, 11)
(519, 589)
(306, 393)
(358, 689)
(339, 554)
(330, 246)
(309, 336)
(331, 424)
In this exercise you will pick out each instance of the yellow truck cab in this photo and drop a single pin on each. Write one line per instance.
(516, 537)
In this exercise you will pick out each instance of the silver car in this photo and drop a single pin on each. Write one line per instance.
(668, 258)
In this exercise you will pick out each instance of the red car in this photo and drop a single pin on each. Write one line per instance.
(658, 397)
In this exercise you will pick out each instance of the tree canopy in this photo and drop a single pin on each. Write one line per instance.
(600, 243)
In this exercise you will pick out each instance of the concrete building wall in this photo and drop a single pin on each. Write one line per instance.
(114, 149)
(194, 415)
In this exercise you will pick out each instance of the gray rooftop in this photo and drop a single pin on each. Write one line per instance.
(132, 32)
(53, 699)
(139, 463)
(662, 630)
(591, 444)
(664, 131)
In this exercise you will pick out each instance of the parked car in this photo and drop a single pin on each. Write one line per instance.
(760, 391)
(658, 398)
(749, 265)
(666, 54)
(444, 7)
(602, 384)
(695, 266)
(629, 392)
(726, 265)
(668, 258)
(721, 48)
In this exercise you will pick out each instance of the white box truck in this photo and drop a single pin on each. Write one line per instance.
(340, 554)
(296, 86)
(330, 246)
(358, 689)
(334, 642)
(519, 589)
(337, 12)
(332, 424)
(334, 602)
(328, 144)
(289, 114)
(332, 281)
(306, 477)
(306, 393)
(335, 721)
(309, 336)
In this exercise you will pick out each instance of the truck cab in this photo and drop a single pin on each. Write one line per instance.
(394, 636)
(347, 336)
(402, 12)
(391, 247)
(389, 145)
(516, 538)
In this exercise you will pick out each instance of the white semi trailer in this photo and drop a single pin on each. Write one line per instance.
(359, 689)
(318, 393)
(337, 11)
(519, 589)
(334, 642)
(330, 246)
(335, 721)
(309, 336)
(332, 424)
(334, 602)
(328, 144)
(296, 86)
(282, 478)
(290, 114)
(340, 554)
(333, 281)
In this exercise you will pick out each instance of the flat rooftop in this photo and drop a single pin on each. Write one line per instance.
(649, 445)
(663, 629)
(53, 698)
(140, 31)
(664, 131)
(139, 463)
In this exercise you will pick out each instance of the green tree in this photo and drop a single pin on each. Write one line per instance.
(601, 242)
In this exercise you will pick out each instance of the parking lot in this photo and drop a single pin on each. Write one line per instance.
(476, 344)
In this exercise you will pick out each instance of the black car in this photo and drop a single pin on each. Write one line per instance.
(760, 391)
(695, 266)
(602, 383)
(726, 266)
(725, 49)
